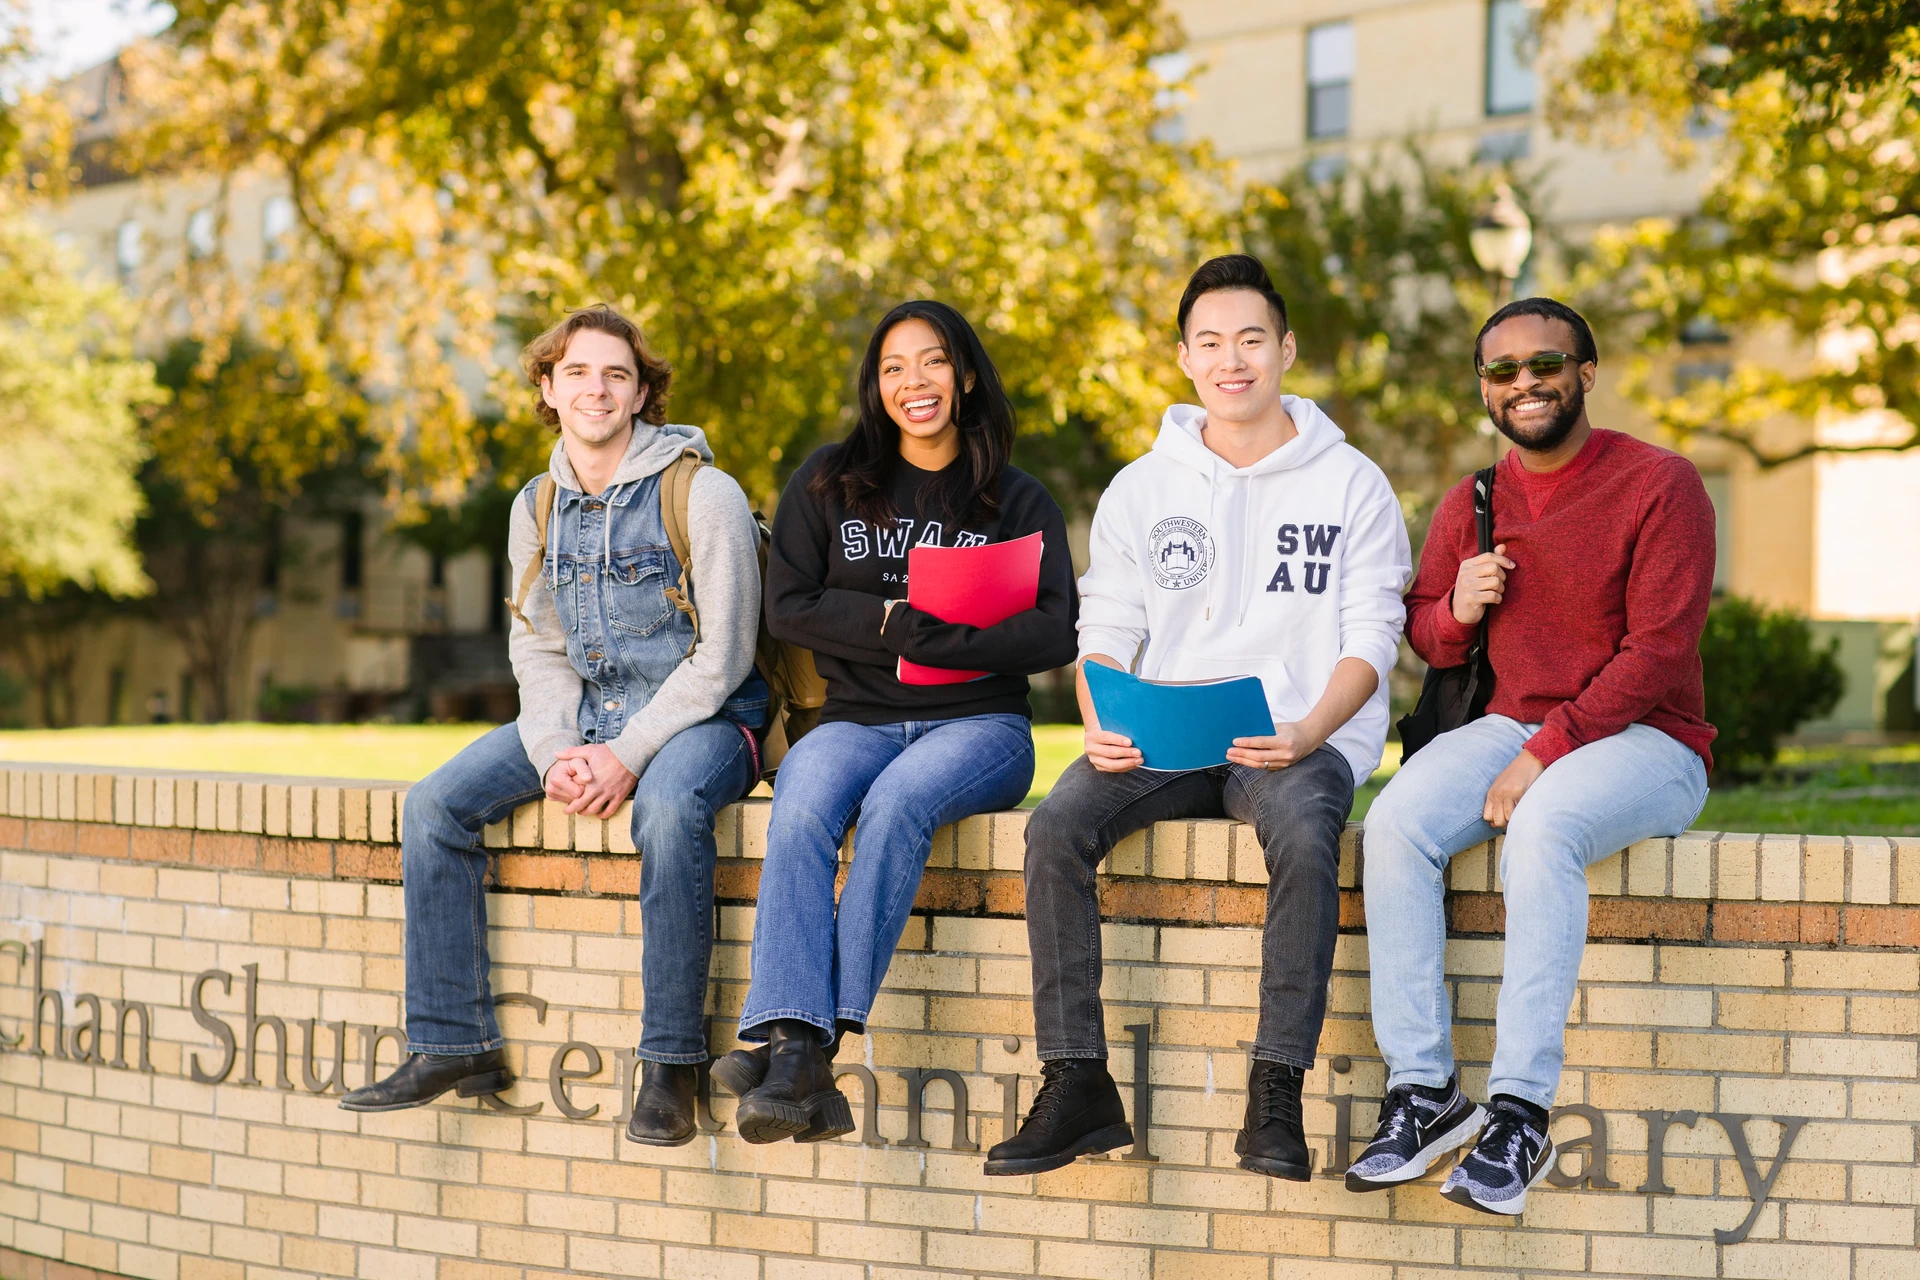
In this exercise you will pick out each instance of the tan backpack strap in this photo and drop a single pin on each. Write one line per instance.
(676, 486)
(542, 514)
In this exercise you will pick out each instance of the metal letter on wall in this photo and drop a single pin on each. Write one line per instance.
(123, 1009)
(222, 1033)
(93, 1030)
(869, 1102)
(40, 996)
(1593, 1170)
(558, 1074)
(539, 1007)
(1657, 1124)
(918, 1078)
(1340, 1064)
(308, 1076)
(1142, 1033)
(18, 950)
(256, 1024)
(1758, 1188)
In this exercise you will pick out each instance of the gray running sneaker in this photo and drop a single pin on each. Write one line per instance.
(1513, 1153)
(1416, 1129)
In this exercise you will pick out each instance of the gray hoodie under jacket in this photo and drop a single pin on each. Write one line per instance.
(726, 591)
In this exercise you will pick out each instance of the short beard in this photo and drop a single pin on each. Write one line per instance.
(1558, 428)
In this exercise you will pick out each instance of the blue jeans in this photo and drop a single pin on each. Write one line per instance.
(443, 865)
(901, 781)
(1588, 805)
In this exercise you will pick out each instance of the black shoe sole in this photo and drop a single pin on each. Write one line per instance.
(1107, 1139)
(1277, 1168)
(682, 1141)
(488, 1082)
(761, 1120)
(738, 1072)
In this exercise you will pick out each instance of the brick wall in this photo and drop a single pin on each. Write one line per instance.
(1729, 975)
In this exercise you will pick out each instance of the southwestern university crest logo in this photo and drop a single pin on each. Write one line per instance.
(1182, 552)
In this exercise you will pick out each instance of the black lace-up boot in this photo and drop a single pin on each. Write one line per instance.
(1076, 1113)
(663, 1113)
(798, 1095)
(1273, 1139)
(425, 1076)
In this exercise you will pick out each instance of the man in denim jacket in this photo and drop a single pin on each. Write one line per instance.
(619, 697)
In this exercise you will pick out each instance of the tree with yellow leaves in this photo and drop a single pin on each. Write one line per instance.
(755, 181)
(1810, 226)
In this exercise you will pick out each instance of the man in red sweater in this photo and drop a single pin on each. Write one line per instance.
(1594, 597)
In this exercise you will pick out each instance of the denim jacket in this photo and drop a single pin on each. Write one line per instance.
(608, 658)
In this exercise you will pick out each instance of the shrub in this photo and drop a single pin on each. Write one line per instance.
(1765, 678)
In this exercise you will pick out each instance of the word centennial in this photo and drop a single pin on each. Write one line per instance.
(128, 1031)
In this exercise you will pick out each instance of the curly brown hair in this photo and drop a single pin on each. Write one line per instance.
(540, 355)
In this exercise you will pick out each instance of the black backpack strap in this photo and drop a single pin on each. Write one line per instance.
(1483, 507)
(1483, 527)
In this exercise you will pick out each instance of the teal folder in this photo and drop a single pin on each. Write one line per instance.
(1179, 725)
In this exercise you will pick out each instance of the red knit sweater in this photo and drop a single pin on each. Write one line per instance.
(1600, 626)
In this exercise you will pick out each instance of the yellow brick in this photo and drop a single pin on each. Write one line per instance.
(663, 1222)
(1651, 1256)
(1182, 1264)
(1270, 1233)
(1471, 870)
(1723, 966)
(1167, 849)
(1906, 856)
(1647, 864)
(1736, 859)
(1397, 1242)
(1129, 856)
(1841, 970)
(1212, 850)
(980, 1253)
(1679, 1051)
(1869, 869)
(974, 843)
(1756, 1012)
(1824, 869)
(1607, 876)
(763, 1235)
(1855, 1056)
(1781, 863)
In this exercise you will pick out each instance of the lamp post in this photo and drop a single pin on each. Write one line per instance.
(1501, 238)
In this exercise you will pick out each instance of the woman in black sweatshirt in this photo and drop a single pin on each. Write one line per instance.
(926, 465)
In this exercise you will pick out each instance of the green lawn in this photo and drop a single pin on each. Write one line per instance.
(1825, 790)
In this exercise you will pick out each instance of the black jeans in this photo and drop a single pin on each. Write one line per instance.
(1297, 814)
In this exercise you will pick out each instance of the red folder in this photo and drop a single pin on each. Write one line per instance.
(977, 586)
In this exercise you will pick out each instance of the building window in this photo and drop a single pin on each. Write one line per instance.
(276, 227)
(202, 234)
(1171, 98)
(1510, 46)
(129, 249)
(1329, 79)
(353, 534)
(1503, 148)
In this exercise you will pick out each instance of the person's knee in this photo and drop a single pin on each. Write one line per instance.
(669, 821)
(1055, 835)
(1538, 849)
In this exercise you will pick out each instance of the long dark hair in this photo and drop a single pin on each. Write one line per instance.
(858, 470)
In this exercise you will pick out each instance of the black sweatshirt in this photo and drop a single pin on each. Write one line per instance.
(829, 574)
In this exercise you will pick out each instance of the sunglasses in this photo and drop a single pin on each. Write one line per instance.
(1545, 365)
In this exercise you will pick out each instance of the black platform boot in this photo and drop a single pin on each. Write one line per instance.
(663, 1113)
(1273, 1138)
(798, 1095)
(740, 1071)
(425, 1076)
(1076, 1113)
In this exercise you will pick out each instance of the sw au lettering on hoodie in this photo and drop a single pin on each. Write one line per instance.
(1200, 570)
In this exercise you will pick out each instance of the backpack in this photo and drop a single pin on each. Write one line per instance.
(795, 687)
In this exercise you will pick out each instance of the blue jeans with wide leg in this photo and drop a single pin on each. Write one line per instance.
(901, 782)
(443, 866)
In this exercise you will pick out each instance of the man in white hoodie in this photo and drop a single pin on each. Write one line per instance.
(1251, 540)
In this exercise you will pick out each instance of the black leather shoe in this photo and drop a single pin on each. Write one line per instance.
(663, 1113)
(1273, 1138)
(425, 1076)
(1076, 1113)
(798, 1095)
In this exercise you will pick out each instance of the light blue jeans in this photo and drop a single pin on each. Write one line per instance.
(1590, 803)
(901, 781)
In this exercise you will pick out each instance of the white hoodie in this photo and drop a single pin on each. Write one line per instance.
(1276, 570)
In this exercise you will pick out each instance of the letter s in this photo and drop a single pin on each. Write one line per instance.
(222, 1033)
(853, 539)
(1289, 539)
